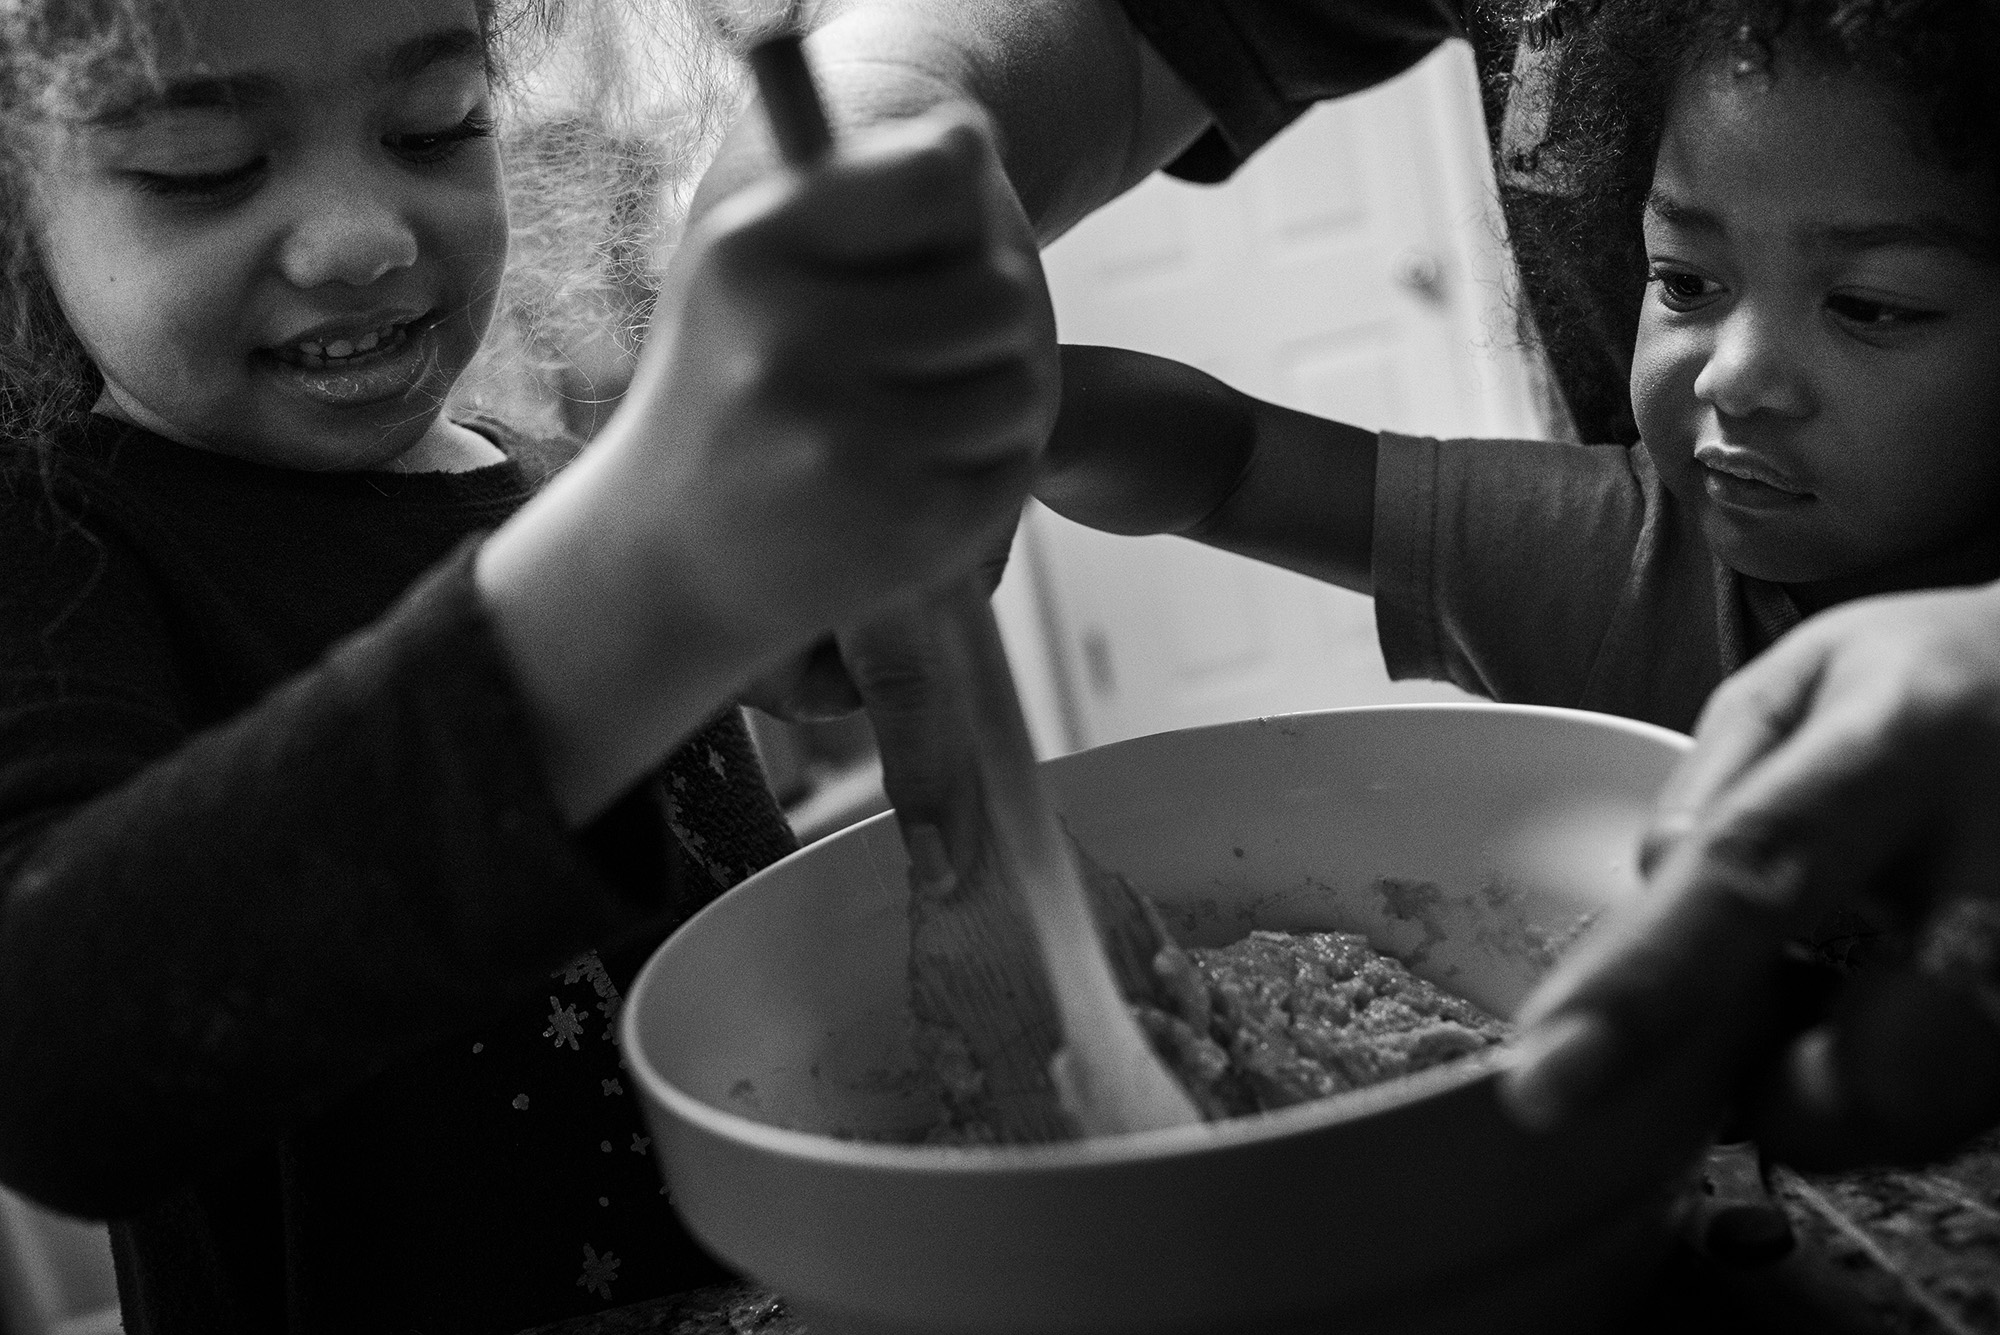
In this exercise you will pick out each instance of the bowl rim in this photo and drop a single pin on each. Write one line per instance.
(1480, 1068)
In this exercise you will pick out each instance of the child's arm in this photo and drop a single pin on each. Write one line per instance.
(1148, 445)
(213, 927)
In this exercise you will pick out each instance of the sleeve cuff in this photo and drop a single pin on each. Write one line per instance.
(1257, 67)
(1203, 46)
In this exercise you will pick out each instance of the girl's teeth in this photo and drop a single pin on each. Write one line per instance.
(341, 347)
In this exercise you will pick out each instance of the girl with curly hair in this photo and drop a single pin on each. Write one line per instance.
(346, 773)
(1789, 210)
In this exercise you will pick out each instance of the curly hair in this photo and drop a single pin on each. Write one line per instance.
(607, 110)
(1588, 96)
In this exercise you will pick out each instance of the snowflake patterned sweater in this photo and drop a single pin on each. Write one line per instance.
(303, 982)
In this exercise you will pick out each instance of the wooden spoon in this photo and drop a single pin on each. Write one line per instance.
(1105, 1072)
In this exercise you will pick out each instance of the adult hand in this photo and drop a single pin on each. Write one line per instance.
(1856, 765)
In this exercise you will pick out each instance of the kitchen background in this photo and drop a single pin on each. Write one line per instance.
(1354, 269)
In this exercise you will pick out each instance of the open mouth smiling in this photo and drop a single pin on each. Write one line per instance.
(333, 348)
(356, 363)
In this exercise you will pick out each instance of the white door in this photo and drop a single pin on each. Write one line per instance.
(1352, 269)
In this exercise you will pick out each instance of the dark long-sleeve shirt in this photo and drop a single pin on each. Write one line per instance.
(303, 981)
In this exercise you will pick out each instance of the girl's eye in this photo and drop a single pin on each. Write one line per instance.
(201, 187)
(426, 149)
(1876, 316)
(1679, 289)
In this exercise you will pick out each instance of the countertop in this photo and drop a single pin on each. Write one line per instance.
(1883, 1252)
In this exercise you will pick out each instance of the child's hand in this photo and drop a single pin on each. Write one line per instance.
(859, 373)
(862, 374)
(1143, 444)
(1146, 445)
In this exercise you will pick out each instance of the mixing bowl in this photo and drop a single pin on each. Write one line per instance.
(770, 1038)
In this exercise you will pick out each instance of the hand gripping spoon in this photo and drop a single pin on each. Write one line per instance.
(1105, 1073)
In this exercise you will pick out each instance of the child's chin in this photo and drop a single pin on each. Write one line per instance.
(1764, 551)
(317, 447)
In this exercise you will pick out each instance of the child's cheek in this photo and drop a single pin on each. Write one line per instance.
(86, 260)
(1665, 362)
(476, 238)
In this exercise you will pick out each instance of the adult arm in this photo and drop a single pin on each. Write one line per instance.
(1856, 764)
(1091, 96)
(1083, 109)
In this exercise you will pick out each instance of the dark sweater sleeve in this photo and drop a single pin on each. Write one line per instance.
(207, 935)
(1258, 65)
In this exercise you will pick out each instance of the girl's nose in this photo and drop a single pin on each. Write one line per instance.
(348, 234)
(1752, 368)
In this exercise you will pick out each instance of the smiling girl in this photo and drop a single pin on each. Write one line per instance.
(345, 777)
(155, 229)
(1807, 191)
